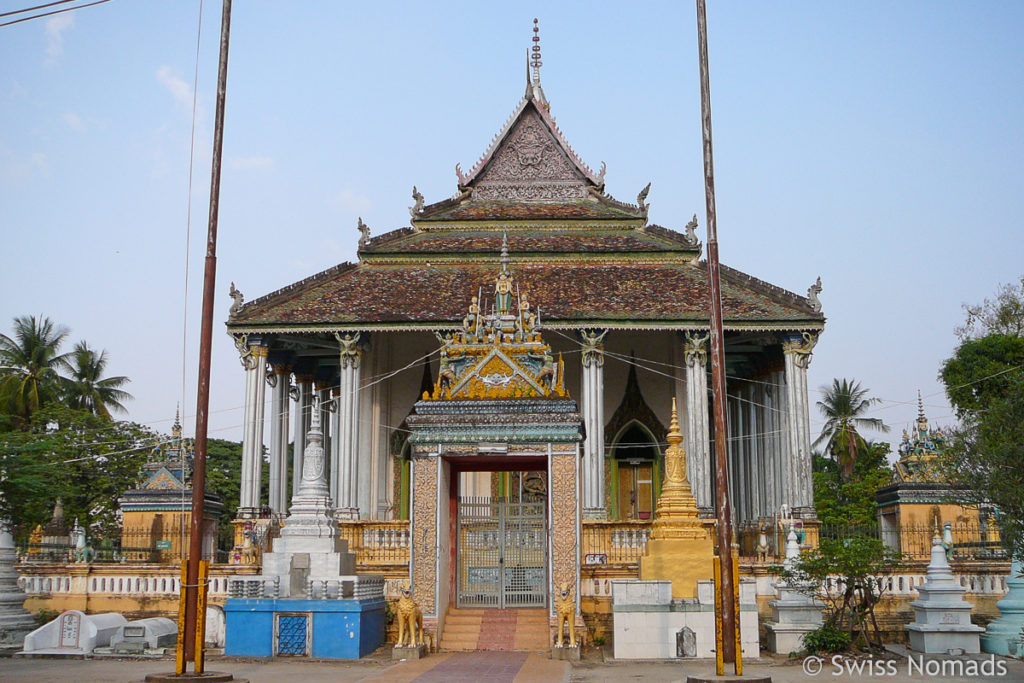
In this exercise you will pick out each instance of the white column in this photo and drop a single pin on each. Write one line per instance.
(592, 487)
(348, 416)
(279, 407)
(334, 454)
(798, 357)
(248, 409)
(326, 409)
(783, 489)
(253, 357)
(303, 402)
(698, 446)
(260, 352)
(754, 454)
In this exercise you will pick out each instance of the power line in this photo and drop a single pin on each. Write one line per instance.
(47, 14)
(32, 9)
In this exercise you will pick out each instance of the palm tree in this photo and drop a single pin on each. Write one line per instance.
(29, 363)
(843, 405)
(86, 389)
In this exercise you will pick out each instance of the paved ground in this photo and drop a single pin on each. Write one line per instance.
(502, 667)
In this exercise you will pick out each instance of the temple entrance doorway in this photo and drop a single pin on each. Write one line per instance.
(636, 472)
(501, 541)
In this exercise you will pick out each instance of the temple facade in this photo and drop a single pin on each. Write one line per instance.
(531, 242)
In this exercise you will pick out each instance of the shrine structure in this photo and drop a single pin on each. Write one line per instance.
(558, 432)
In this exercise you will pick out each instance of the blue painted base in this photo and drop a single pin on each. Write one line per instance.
(335, 629)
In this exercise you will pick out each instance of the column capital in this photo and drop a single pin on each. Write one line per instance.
(800, 347)
(250, 351)
(352, 346)
(592, 341)
(695, 347)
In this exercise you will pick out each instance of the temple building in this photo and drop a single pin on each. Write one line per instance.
(156, 516)
(920, 499)
(530, 244)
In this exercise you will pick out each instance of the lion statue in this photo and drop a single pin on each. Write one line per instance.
(762, 542)
(566, 607)
(410, 618)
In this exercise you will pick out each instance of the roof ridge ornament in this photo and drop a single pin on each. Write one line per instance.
(364, 232)
(418, 206)
(534, 88)
(641, 199)
(812, 295)
(691, 232)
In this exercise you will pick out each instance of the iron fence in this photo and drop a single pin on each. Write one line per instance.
(165, 543)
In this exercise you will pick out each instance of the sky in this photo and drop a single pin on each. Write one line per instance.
(877, 145)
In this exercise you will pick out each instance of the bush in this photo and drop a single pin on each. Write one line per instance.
(45, 616)
(827, 639)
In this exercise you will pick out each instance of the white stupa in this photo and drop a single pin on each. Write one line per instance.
(942, 618)
(310, 546)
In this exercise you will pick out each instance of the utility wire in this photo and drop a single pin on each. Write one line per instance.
(32, 9)
(47, 14)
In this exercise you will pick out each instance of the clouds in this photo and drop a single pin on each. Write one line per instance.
(55, 27)
(250, 163)
(179, 89)
(352, 201)
(74, 121)
(19, 168)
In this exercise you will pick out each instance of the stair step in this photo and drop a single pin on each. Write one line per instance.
(468, 629)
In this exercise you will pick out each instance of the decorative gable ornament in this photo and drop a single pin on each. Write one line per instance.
(499, 354)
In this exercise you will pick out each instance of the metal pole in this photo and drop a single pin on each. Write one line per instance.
(205, 341)
(723, 508)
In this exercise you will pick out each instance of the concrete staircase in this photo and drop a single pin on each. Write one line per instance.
(496, 629)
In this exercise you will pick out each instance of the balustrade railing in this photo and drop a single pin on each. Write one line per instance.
(614, 542)
(377, 544)
(765, 540)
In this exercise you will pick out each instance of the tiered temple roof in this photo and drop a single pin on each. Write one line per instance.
(585, 258)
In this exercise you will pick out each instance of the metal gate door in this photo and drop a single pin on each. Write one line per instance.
(502, 553)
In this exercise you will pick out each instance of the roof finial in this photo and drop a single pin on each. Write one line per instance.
(533, 88)
(535, 61)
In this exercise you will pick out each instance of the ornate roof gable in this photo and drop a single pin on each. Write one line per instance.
(530, 160)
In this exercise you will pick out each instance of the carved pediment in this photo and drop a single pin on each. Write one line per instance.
(530, 164)
(163, 480)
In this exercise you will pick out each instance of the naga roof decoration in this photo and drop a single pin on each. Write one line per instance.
(500, 354)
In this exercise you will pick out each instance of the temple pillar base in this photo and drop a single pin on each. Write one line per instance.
(595, 513)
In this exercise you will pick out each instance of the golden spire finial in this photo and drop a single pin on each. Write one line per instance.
(674, 435)
(675, 454)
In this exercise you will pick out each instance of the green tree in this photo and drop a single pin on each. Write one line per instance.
(87, 389)
(30, 362)
(982, 370)
(985, 383)
(224, 477)
(86, 460)
(857, 567)
(846, 501)
(1003, 314)
(843, 405)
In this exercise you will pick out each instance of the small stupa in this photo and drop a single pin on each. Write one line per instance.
(680, 548)
(1005, 635)
(794, 613)
(15, 620)
(942, 618)
(310, 546)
